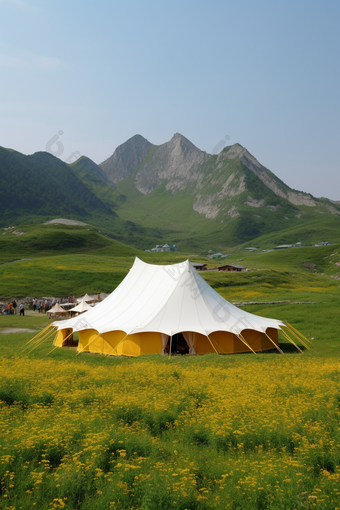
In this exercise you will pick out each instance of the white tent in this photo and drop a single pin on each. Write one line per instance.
(88, 299)
(154, 303)
(83, 306)
(57, 310)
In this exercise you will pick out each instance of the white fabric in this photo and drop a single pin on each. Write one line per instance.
(57, 309)
(165, 339)
(83, 306)
(169, 300)
(87, 298)
(190, 340)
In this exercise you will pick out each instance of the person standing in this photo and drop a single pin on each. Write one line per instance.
(22, 309)
(14, 305)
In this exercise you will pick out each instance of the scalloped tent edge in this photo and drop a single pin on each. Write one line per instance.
(154, 303)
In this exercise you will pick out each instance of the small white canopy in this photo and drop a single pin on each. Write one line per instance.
(57, 309)
(83, 306)
(87, 298)
(168, 299)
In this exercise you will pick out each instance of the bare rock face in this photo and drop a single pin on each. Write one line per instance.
(269, 179)
(178, 162)
(126, 157)
(214, 182)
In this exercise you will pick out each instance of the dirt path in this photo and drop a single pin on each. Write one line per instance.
(6, 331)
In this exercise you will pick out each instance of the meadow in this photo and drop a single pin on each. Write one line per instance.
(190, 432)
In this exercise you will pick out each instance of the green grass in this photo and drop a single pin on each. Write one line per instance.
(195, 432)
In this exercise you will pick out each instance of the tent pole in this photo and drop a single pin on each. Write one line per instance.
(42, 332)
(240, 337)
(298, 332)
(115, 347)
(38, 340)
(55, 338)
(95, 338)
(290, 340)
(170, 346)
(212, 345)
(42, 340)
(272, 341)
(298, 338)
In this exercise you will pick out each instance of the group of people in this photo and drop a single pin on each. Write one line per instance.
(42, 306)
(12, 309)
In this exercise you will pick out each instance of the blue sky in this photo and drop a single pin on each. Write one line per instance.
(265, 73)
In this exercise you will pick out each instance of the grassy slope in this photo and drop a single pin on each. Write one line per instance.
(190, 229)
(266, 424)
(297, 274)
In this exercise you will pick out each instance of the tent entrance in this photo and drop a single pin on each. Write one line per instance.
(179, 344)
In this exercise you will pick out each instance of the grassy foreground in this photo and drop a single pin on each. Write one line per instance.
(240, 432)
(202, 432)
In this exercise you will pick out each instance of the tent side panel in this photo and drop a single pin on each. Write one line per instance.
(61, 335)
(140, 343)
(110, 341)
(105, 343)
(254, 339)
(86, 338)
(224, 342)
(202, 344)
(258, 341)
(274, 335)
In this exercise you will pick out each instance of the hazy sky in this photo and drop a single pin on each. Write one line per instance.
(264, 73)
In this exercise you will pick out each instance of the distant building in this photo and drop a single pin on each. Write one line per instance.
(323, 243)
(231, 267)
(199, 267)
(251, 248)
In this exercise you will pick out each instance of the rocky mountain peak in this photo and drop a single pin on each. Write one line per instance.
(126, 157)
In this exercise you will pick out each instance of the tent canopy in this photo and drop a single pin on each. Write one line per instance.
(57, 309)
(157, 302)
(87, 299)
(82, 306)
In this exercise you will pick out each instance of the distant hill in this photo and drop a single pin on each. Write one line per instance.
(230, 197)
(174, 193)
(57, 238)
(42, 186)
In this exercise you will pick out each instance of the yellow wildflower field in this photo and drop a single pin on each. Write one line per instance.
(155, 434)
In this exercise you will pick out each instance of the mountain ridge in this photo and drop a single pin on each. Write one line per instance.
(146, 193)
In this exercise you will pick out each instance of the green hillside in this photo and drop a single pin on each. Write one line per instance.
(38, 188)
(51, 239)
(223, 201)
(174, 194)
(62, 260)
(42, 186)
